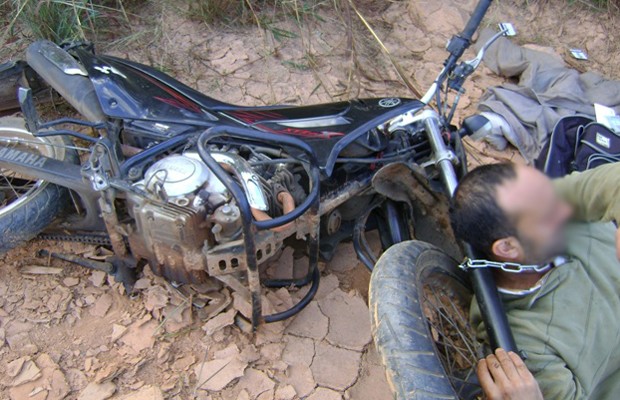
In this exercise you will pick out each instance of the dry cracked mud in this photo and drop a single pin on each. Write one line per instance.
(68, 333)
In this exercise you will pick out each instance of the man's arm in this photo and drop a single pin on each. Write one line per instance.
(594, 194)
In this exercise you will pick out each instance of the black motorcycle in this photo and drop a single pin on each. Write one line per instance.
(201, 190)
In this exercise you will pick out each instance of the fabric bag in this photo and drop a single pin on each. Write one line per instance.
(578, 143)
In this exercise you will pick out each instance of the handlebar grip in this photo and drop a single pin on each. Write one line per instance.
(476, 19)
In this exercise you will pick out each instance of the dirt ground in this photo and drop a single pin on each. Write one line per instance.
(66, 332)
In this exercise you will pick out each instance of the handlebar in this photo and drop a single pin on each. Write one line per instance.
(476, 19)
(459, 43)
(457, 46)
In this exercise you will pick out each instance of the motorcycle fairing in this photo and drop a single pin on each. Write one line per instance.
(132, 91)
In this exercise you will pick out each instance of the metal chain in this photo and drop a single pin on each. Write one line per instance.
(101, 240)
(513, 268)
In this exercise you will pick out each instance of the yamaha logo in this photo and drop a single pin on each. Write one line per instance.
(389, 103)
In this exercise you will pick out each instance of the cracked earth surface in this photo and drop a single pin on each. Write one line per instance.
(66, 332)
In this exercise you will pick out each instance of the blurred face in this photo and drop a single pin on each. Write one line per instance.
(539, 215)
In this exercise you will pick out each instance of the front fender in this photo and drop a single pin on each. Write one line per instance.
(408, 183)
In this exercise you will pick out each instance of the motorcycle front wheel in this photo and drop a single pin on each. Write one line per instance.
(419, 302)
(27, 204)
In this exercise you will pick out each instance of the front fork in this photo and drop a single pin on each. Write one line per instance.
(483, 282)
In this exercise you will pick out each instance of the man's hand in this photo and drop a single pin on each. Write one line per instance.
(504, 376)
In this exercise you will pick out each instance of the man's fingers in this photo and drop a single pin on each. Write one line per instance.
(520, 365)
(507, 364)
(486, 381)
(497, 372)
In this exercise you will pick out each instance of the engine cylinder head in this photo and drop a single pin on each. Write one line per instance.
(177, 175)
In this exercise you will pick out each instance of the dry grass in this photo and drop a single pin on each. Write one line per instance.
(63, 20)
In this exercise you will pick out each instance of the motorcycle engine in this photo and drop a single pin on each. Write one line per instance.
(186, 213)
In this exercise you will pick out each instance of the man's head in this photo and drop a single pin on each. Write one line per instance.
(510, 212)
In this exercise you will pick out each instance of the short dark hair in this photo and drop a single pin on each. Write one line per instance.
(475, 215)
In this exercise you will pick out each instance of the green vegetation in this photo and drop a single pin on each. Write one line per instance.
(61, 20)
(600, 5)
(252, 11)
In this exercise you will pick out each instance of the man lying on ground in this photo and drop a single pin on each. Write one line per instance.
(565, 313)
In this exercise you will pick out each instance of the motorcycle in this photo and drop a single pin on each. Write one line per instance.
(205, 191)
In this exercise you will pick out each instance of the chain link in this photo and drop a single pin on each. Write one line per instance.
(513, 268)
(101, 240)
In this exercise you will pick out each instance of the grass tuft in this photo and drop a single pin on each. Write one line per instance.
(262, 12)
(63, 20)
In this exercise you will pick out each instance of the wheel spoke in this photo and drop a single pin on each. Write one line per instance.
(455, 341)
(15, 187)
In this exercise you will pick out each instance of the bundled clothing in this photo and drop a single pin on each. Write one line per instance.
(546, 91)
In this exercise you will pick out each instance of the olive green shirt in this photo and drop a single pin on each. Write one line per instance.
(570, 327)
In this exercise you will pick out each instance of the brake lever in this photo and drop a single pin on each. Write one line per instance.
(476, 61)
(466, 68)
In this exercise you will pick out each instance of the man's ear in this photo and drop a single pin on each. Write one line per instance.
(507, 249)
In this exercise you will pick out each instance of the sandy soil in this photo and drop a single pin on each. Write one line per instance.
(66, 332)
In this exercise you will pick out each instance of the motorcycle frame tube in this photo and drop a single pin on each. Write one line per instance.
(483, 282)
(250, 226)
(364, 129)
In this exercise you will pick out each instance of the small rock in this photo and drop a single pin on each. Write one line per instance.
(183, 363)
(230, 351)
(310, 322)
(242, 305)
(220, 321)
(255, 382)
(243, 395)
(177, 318)
(97, 278)
(371, 384)
(156, 298)
(344, 259)
(145, 393)
(77, 379)
(267, 395)
(142, 284)
(59, 388)
(281, 299)
(27, 373)
(117, 332)
(300, 377)
(325, 394)
(139, 335)
(334, 367)
(14, 367)
(101, 306)
(349, 324)
(298, 351)
(216, 374)
(272, 351)
(97, 391)
(286, 392)
(71, 281)
(269, 333)
(328, 284)
(249, 354)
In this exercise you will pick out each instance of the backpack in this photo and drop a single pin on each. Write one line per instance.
(578, 143)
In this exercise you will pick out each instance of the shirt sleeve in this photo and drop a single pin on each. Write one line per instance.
(555, 380)
(594, 194)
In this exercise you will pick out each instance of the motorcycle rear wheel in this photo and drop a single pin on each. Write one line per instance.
(419, 302)
(27, 204)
